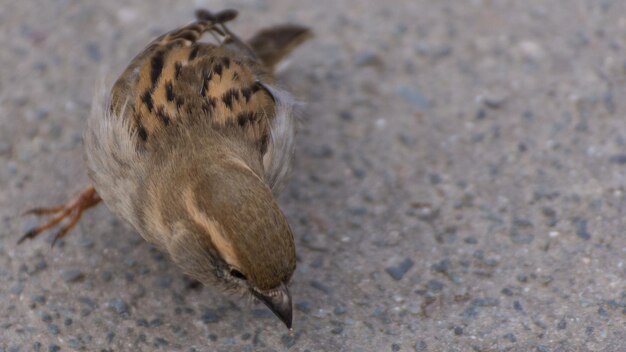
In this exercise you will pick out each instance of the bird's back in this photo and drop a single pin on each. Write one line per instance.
(178, 84)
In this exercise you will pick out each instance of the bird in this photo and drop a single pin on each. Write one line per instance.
(191, 147)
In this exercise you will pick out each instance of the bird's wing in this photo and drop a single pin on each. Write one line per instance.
(177, 81)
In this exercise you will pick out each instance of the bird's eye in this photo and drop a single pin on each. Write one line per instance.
(238, 274)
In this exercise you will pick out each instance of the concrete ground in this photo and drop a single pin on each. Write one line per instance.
(458, 183)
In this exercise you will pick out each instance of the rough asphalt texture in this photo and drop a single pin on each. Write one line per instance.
(458, 183)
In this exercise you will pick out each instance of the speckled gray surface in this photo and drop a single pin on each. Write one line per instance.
(458, 184)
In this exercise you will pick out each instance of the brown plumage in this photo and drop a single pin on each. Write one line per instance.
(189, 147)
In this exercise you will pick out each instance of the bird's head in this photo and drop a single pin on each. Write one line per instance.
(229, 232)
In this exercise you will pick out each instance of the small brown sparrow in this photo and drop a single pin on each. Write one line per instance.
(189, 147)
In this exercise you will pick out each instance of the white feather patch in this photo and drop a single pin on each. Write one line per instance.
(277, 159)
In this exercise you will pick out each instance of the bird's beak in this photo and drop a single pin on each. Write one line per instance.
(279, 302)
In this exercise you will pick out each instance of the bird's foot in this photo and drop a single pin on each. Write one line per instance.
(67, 214)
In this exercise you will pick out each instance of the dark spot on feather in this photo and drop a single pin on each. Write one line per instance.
(169, 91)
(205, 84)
(178, 66)
(264, 142)
(246, 117)
(147, 99)
(163, 116)
(194, 53)
(179, 102)
(230, 96)
(246, 93)
(212, 101)
(142, 133)
(156, 67)
(226, 62)
(218, 69)
(235, 76)
(242, 119)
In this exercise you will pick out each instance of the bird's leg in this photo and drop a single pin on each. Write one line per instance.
(70, 212)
